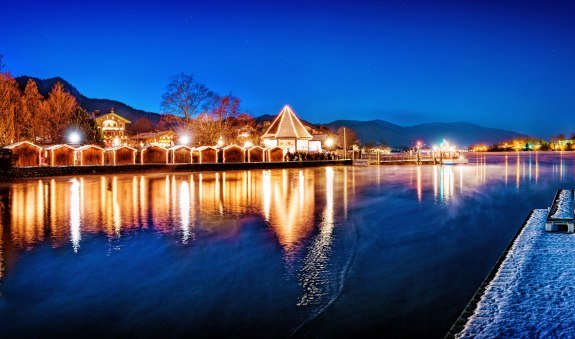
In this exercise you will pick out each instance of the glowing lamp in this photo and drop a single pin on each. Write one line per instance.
(248, 144)
(184, 139)
(328, 142)
(74, 138)
(220, 142)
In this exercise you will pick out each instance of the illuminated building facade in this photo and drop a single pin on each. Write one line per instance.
(165, 139)
(113, 128)
(287, 132)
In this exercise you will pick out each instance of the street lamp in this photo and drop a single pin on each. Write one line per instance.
(184, 139)
(329, 143)
(220, 141)
(74, 138)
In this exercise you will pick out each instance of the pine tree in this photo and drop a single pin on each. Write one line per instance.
(82, 122)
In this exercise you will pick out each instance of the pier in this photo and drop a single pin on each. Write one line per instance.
(406, 159)
(560, 214)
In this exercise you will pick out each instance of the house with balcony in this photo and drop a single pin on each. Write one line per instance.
(113, 128)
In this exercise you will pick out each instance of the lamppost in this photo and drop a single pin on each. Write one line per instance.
(74, 138)
(184, 139)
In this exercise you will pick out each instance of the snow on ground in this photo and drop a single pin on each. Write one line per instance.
(533, 293)
(564, 206)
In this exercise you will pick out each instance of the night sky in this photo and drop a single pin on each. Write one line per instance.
(508, 64)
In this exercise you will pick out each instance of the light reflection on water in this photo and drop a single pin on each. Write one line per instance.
(306, 212)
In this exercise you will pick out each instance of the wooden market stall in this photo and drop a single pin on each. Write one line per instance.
(274, 154)
(60, 155)
(88, 155)
(154, 154)
(121, 155)
(205, 154)
(180, 154)
(233, 153)
(255, 154)
(25, 153)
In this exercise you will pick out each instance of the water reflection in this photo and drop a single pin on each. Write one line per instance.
(302, 212)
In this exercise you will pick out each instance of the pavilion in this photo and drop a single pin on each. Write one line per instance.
(287, 132)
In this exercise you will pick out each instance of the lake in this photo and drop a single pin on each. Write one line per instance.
(373, 251)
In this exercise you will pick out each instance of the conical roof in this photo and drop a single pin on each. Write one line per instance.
(287, 126)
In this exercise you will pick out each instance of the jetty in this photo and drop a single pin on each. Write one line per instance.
(527, 293)
(560, 215)
(408, 159)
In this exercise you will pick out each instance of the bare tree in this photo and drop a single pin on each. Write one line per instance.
(57, 111)
(185, 99)
(350, 137)
(221, 121)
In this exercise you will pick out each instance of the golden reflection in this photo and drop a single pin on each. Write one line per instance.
(75, 235)
(517, 171)
(506, 169)
(288, 200)
(419, 194)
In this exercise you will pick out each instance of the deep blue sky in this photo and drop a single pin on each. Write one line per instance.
(507, 64)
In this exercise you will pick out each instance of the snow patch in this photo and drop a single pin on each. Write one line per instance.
(564, 206)
(533, 292)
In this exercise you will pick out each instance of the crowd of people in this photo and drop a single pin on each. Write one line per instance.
(310, 156)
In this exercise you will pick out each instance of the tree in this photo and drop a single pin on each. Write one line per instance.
(185, 99)
(57, 111)
(221, 121)
(143, 125)
(31, 122)
(350, 137)
(9, 105)
(80, 120)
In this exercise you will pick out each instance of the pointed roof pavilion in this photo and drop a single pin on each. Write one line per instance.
(287, 126)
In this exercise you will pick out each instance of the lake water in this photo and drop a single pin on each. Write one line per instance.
(394, 251)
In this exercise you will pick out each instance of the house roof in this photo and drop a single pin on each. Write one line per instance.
(319, 137)
(81, 148)
(154, 145)
(16, 144)
(53, 147)
(180, 146)
(119, 147)
(106, 115)
(287, 126)
(151, 135)
(233, 146)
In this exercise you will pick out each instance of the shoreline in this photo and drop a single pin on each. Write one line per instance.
(16, 173)
(471, 306)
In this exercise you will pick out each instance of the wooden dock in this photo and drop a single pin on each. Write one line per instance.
(560, 215)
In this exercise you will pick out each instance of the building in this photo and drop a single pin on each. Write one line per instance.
(287, 132)
(165, 139)
(113, 128)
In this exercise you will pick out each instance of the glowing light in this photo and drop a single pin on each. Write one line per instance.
(248, 144)
(116, 142)
(184, 139)
(220, 141)
(74, 138)
(329, 142)
(75, 235)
